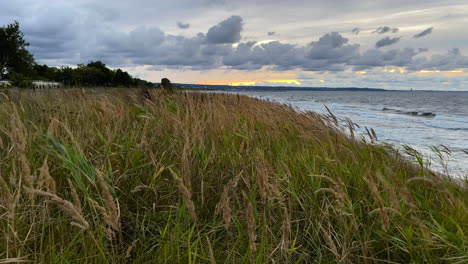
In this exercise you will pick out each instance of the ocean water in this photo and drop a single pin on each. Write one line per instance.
(421, 120)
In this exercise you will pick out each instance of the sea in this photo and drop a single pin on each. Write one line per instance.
(433, 123)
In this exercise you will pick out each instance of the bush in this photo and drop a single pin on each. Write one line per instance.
(20, 81)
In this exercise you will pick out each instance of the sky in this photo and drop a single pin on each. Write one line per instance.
(393, 44)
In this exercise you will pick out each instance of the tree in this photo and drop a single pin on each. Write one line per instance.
(14, 57)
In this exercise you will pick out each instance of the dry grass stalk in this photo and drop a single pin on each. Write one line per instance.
(15, 260)
(210, 251)
(66, 207)
(251, 226)
(421, 179)
(186, 194)
(286, 230)
(74, 195)
(111, 215)
(8, 201)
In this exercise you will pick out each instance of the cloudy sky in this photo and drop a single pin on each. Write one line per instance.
(398, 44)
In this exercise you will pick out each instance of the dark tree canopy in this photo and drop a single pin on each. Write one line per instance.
(18, 65)
(14, 57)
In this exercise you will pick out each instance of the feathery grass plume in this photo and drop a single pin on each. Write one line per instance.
(53, 126)
(112, 215)
(331, 244)
(7, 201)
(129, 250)
(109, 230)
(186, 195)
(374, 135)
(370, 135)
(46, 179)
(350, 127)
(262, 176)
(386, 209)
(74, 195)
(186, 162)
(391, 192)
(251, 226)
(26, 171)
(66, 206)
(405, 194)
(376, 195)
(337, 190)
(224, 207)
(335, 120)
(425, 231)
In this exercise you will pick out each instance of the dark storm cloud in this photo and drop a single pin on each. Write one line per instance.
(227, 31)
(452, 59)
(271, 33)
(423, 33)
(385, 29)
(377, 58)
(182, 25)
(356, 30)
(387, 41)
(330, 53)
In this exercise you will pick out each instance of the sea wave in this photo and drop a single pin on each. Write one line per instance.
(412, 113)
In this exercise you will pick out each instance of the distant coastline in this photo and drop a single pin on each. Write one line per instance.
(294, 88)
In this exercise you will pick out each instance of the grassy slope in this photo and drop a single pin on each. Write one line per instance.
(92, 176)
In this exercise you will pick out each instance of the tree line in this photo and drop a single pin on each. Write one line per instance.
(18, 66)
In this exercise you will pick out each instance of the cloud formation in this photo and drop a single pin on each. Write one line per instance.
(227, 31)
(387, 41)
(54, 40)
(385, 29)
(182, 25)
(424, 33)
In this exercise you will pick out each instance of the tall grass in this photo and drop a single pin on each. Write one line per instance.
(90, 176)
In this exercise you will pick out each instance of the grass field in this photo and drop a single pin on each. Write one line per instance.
(108, 176)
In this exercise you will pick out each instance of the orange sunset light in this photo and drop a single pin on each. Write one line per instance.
(255, 82)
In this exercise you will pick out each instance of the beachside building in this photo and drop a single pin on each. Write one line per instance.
(4, 84)
(45, 85)
(35, 84)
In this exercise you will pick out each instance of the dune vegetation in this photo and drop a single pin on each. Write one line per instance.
(121, 176)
